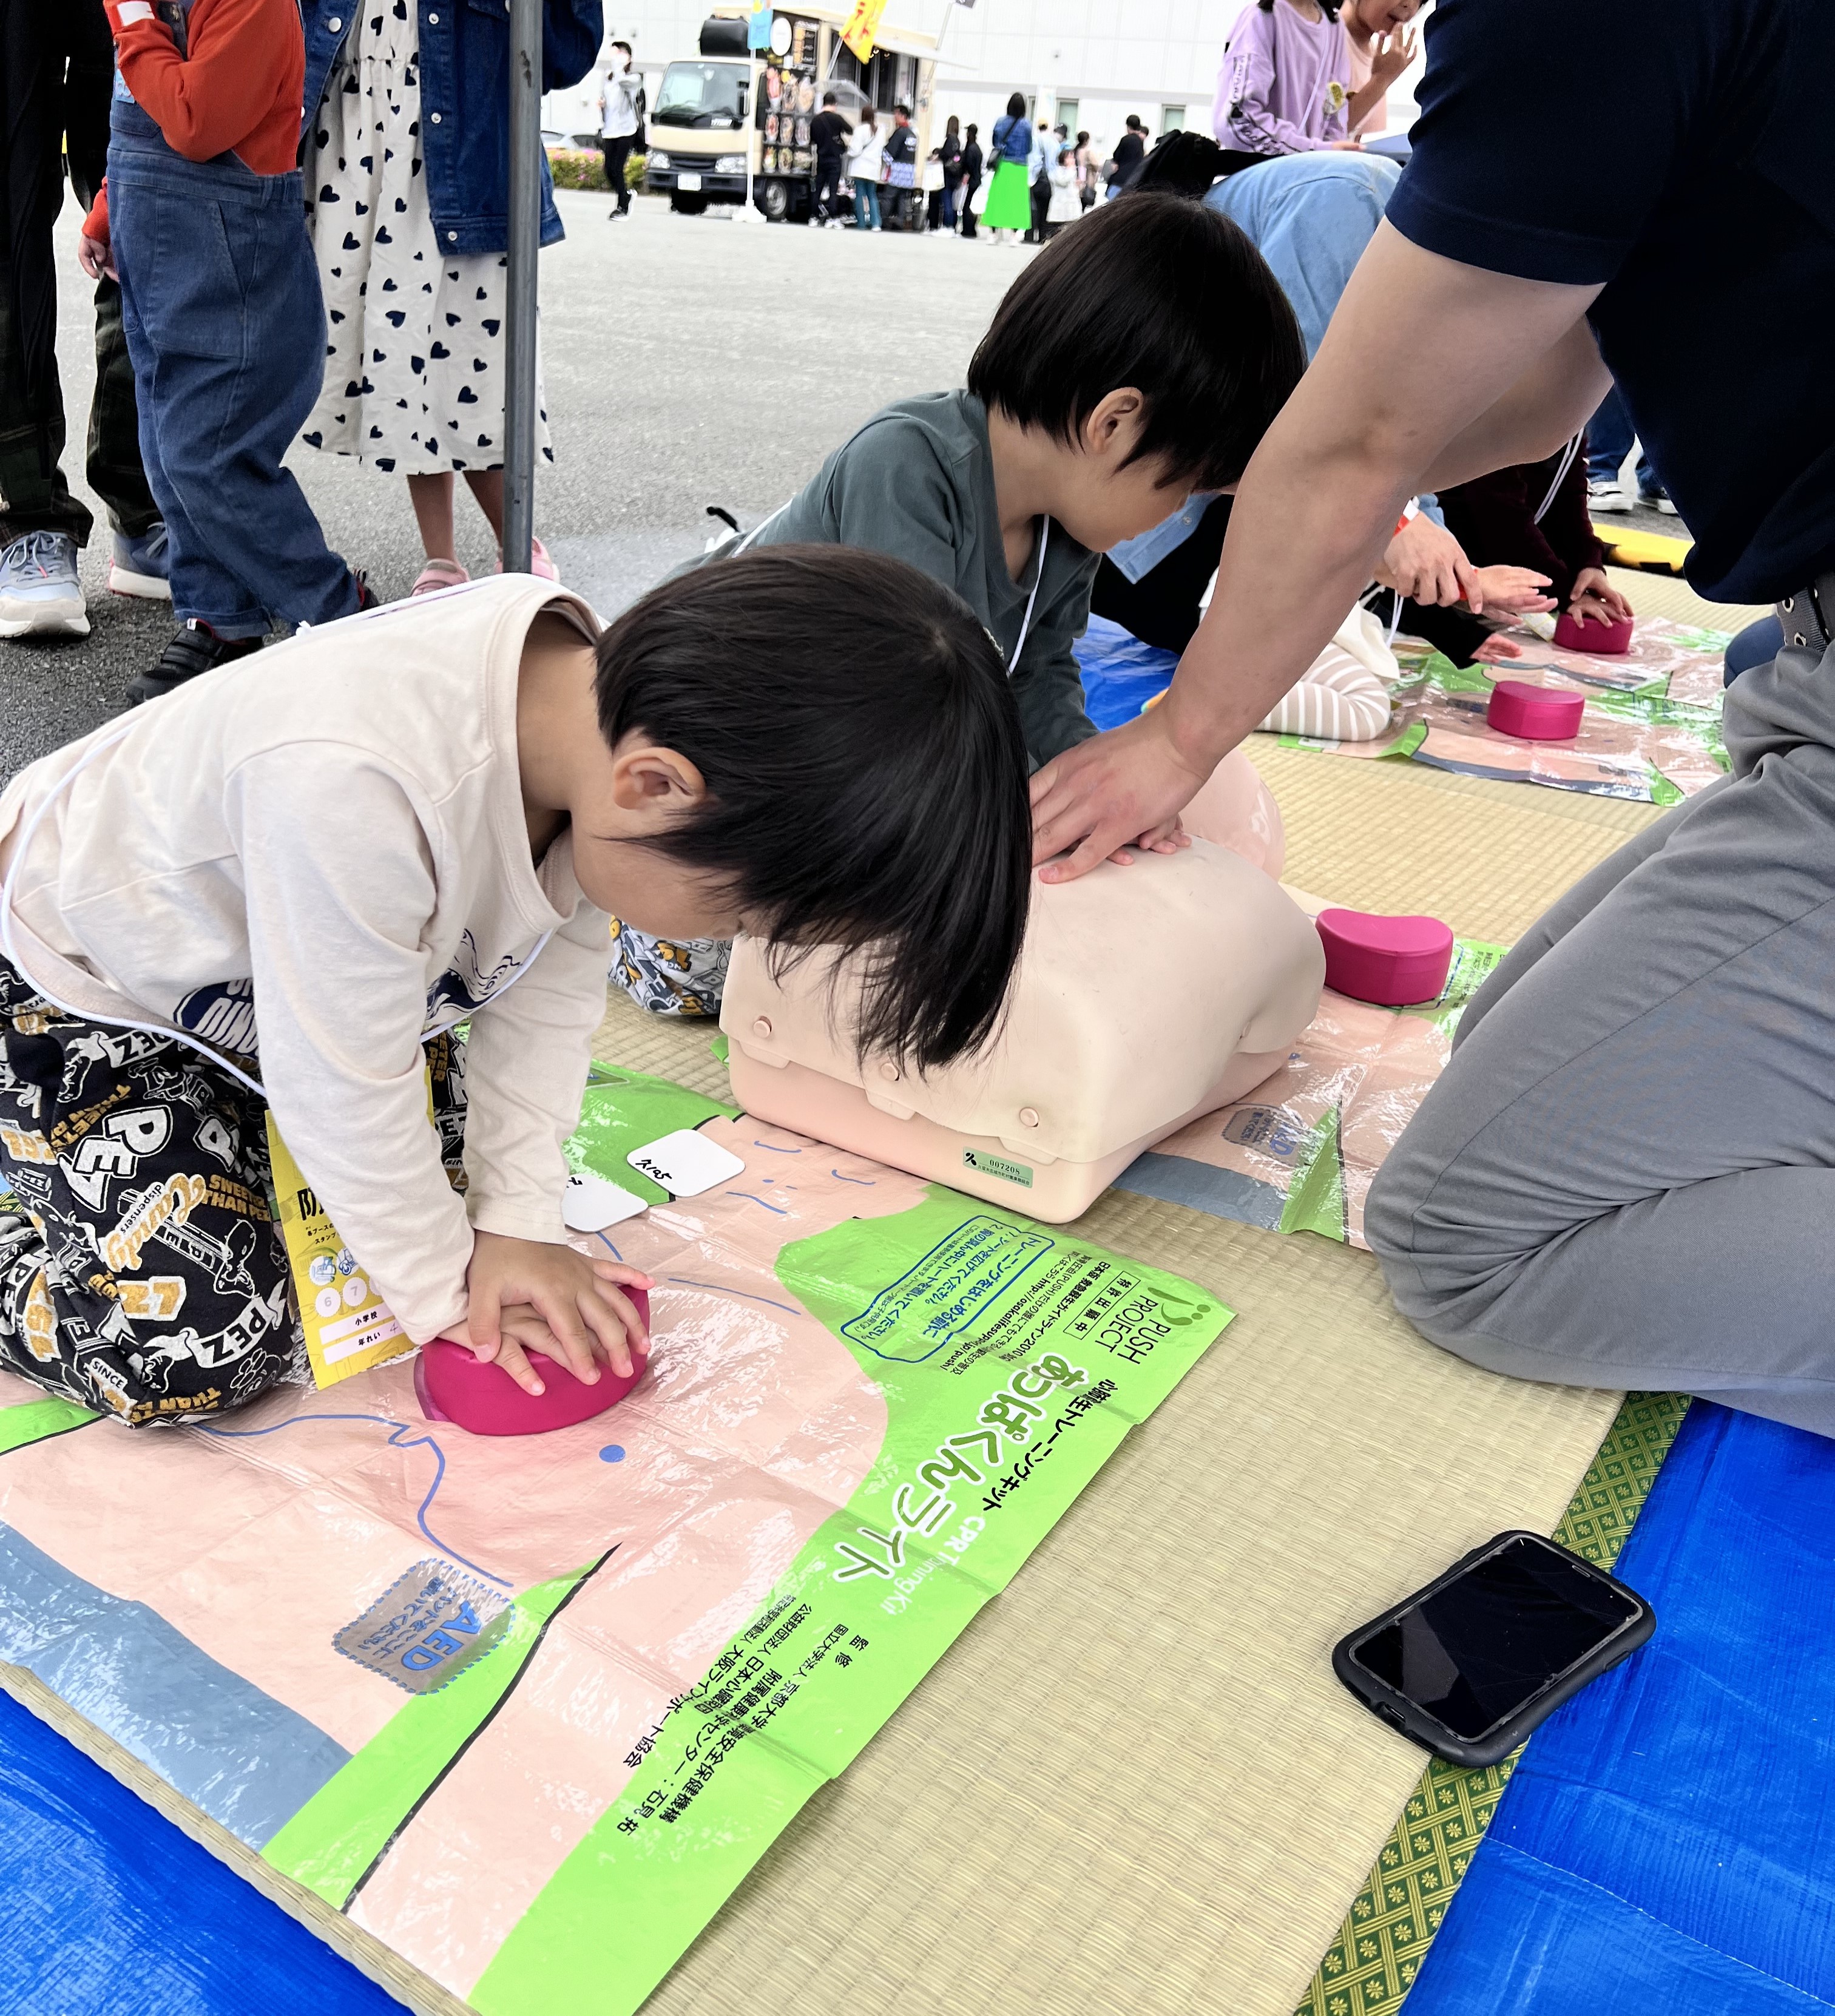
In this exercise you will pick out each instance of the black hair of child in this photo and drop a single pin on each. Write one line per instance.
(866, 772)
(1328, 8)
(1156, 292)
(1183, 164)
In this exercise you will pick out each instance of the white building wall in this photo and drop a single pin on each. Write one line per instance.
(1113, 57)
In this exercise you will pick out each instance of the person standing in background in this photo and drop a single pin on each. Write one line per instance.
(971, 178)
(866, 152)
(1067, 205)
(901, 175)
(828, 134)
(1009, 199)
(407, 168)
(619, 115)
(1130, 151)
(1038, 173)
(1381, 48)
(1086, 175)
(934, 188)
(950, 153)
(1285, 84)
(203, 137)
(57, 70)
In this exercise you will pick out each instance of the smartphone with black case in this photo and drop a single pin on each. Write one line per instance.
(1468, 1665)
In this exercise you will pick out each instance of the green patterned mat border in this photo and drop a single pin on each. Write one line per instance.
(1373, 1962)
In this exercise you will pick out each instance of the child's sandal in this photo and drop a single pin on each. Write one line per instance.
(437, 575)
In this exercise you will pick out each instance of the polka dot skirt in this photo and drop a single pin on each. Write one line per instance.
(414, 351)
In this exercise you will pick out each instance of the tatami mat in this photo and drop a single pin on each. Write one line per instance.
(1488, 858)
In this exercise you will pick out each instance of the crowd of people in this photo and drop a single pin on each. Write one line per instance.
(876, 167)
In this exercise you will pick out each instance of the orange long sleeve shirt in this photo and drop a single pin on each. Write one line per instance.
(236, 90)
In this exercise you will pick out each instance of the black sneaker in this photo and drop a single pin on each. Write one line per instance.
(196, 649)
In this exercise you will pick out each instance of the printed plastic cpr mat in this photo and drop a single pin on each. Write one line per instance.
(527, 1710)
(1300, 1153)
(1651, 730)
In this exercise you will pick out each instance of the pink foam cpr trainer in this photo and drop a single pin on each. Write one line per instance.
(1392, 961)
(1573, 635)
(1534, 714)
(455, 1386)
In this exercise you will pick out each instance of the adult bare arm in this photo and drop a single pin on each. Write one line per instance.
(1430, 373)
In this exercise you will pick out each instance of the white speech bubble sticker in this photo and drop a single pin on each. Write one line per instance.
(590, 1203)
(685, 1163)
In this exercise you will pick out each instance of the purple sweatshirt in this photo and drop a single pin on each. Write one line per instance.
(1285, 85)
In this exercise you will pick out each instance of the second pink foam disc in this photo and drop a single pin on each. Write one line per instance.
(1394, 961)
(1534, 714)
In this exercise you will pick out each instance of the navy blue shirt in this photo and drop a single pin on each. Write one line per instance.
(1682, 153)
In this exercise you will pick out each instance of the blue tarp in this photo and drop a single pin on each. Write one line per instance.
(109, 1908)
(1668, 1841)
(1120, 674)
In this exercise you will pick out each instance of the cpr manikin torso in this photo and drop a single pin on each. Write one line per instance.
(1146, 995)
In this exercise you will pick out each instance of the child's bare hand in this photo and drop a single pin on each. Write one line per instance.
(526, 1295)
(1515, 590)
(1496, 650)
(95, 258)
(1595, 600)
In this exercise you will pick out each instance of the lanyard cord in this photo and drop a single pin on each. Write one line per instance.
(167, 1029)
(1031, 600)
(1571, 451)
(1012, 663)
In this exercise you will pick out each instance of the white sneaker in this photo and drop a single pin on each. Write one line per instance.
(1606, 496)
(40, 596)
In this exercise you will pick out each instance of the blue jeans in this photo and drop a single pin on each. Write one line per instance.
(866, 206)
(1609, 436)
(226, 326)
(1758, 644)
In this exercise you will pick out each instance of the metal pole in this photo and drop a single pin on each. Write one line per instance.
(525, 242)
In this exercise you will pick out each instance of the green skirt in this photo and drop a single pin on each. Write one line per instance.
(1009, 199)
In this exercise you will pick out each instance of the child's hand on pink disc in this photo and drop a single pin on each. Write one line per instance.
(526, 1294)
(1513, 591)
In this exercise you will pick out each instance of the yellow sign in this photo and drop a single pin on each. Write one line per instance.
(347, 1324)
(863, 25)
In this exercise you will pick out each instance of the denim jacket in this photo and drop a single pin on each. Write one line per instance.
(465, 101)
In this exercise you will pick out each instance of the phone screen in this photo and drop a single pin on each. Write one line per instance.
(1494, 1637)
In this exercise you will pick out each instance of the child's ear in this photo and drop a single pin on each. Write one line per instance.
(655, 782)
(1114, 422)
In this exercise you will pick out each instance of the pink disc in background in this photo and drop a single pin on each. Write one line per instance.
(1572, 635)
(1535, 714)
(1394, 961)
(454, 1385)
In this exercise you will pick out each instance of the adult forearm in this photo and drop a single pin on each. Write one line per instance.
(1430, 373)
(1307, 529)
(1545, 409)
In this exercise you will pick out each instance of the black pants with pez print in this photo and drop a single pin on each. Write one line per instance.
(142, 1268)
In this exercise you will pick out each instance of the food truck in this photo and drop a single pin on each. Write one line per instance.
(727, 111)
